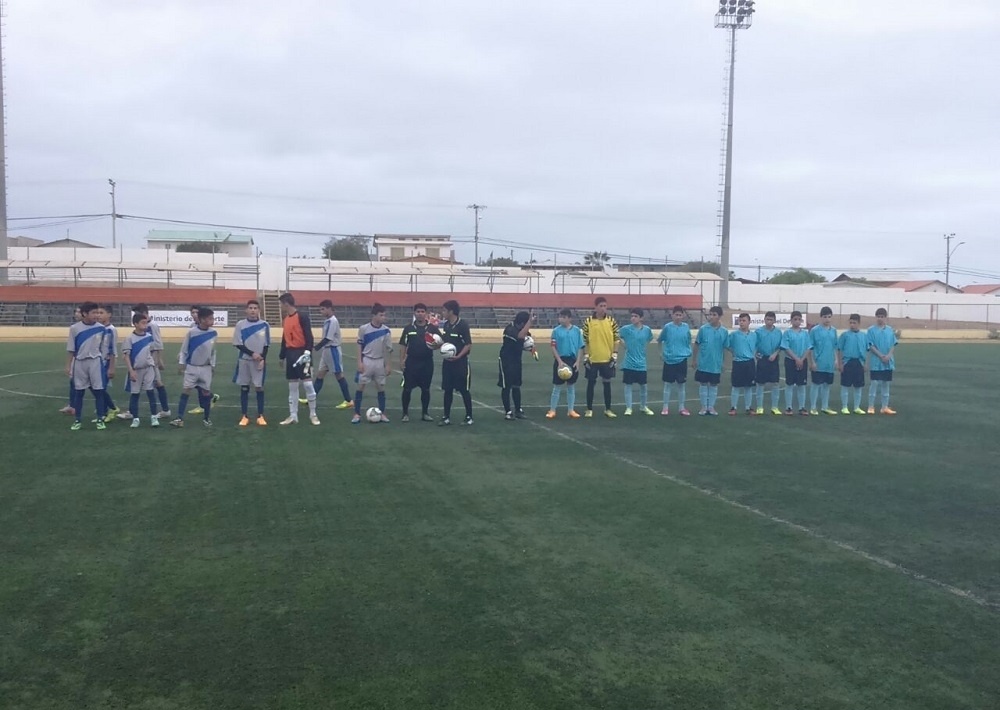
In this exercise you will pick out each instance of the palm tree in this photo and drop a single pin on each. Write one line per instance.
(596, 259)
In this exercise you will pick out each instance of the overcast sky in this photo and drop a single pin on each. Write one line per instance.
(864, 129)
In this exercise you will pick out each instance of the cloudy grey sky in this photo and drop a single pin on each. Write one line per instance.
(865, 129)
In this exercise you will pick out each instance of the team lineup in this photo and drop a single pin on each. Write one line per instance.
(811, 359)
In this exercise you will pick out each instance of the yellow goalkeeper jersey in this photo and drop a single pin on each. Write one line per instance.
(600, 335)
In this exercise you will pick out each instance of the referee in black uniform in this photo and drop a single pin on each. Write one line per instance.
(455, 372)
(416, 360)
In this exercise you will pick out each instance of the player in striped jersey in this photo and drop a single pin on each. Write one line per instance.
(374, 347)
(197, 363)
(154, 330)
(110, 348)
(330, 355)
(84, 363)
(252, 338)
(137, 352)
(68, 409)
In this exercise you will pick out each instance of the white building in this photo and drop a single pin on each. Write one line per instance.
(414, 247)
(201, 241)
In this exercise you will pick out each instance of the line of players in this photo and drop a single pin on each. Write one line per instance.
(819, 351)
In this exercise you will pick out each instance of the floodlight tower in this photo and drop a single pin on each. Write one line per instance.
(732, 15)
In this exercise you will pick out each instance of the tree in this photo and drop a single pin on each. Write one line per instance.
(797, 276)
(596, 259)
(197, 248)
(500, 261)
(346, 249)
(703, 267)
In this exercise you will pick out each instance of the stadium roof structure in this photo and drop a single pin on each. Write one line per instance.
(197, 236)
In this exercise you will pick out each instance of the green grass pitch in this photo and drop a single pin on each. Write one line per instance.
(645, 562)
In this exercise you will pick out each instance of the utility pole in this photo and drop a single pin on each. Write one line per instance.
(476, 207)
(947, 258)
(3, 160)
(114, 216)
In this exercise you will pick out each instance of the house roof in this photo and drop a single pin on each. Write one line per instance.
(69, 243)
(197, 236)
(982, 288)
(914, 285)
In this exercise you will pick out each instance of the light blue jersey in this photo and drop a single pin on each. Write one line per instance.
(824, 343)
(711, 346)
(853, 345)
(882, 339)
(743, 345)
(768, 341)
(567, 341)
(796, 342)
(636, 338)
(675, 342)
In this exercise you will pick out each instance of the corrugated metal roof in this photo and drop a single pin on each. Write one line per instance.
(192, 236)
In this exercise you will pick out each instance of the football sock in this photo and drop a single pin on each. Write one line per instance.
(591, 386)
(516, 394)
(775, 396)
(824, 391)
(425, 399)
(570, 396)
(859, 393)
(667, 387)
(133, 405)
(505, 398)
(628, 396)
(814, 396)
(449, 397)
(182, 404)
(381, 400)
(404, 399)
(735, 397)
(760, 395)
(102, 403)
(311, 396)
(108, 402)
(78, 402)
(703, 395)
(790, 391)
(357, 402)
(748, 396)
(682, 395)
(845, 397)
(206, 403)
(643, 395)
(802, 396)
(885, 394)
(554, 399)
(151, 396)
(343, 389)
(607, 395)
(260, 403)
(244, 399)
(872, 394)
(467, 399)
(318, 384)
(72, 392)
(713, 395)
(161, 392)
(293, 399)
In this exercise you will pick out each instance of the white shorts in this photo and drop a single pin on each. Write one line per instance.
(374, 372)
(249, 373)
(330, 360)
(145, 379)
(198, 376)
(88, 373)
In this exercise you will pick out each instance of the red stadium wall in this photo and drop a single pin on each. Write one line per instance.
(187, 296)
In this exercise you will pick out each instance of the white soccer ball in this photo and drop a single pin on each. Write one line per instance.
(565, 372)
(448, 351)
(529, 343)
(374, 415)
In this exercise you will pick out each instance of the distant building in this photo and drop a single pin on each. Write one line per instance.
(414, 247)
(67, 244)
(926, 286)
(983, 289)
(217, 242)
(24, 242)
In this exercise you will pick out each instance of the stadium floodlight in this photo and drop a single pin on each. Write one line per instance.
(732, 15)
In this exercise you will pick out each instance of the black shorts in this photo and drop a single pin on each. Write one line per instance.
(768, 371)
(604, 370)
(677, 372)
(456, 375)
(509, 374)
(293, 372)
(821, 378)
(881, 375)
(795, 376)
(707, 378)
(569, 360)
(853, 374)
(418, 373)
(744, 372)
(634, 377)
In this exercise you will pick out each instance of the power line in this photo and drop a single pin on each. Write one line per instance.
(58, 216)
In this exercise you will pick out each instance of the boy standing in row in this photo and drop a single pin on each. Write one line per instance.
(252, 338)
(374, 346)
(567, 349)
(852, 351)
(330, 356)
(84, 363)
(600, 337)
(768, 349)
(822, 361)
(709, 346)
(743, 345)
(883, 347)
(636, 336)
(137, 350)
(675, 341)
(197, 364)
(796, 343)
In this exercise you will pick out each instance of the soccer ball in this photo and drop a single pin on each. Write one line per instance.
(448, 351)
(529, 343)
(374, 415)
(433, 340)
(565, 372)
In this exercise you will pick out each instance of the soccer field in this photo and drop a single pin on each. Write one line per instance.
(643, 562)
